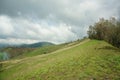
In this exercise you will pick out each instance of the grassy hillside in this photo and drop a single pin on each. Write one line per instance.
(48, 49)
(15, 51)
(88, 60)
(21, 52)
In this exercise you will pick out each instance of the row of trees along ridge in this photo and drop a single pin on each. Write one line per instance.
(106, 29)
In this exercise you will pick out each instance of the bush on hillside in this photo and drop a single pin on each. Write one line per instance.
(108, 30)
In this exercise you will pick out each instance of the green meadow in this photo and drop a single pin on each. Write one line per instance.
(85, 60)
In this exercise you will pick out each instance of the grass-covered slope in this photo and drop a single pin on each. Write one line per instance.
(22, 52)
(48, 49)
(88, 60)
(15, 51)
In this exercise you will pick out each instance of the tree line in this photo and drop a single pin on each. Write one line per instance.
(106, 29)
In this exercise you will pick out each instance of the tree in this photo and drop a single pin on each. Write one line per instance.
(108, 30)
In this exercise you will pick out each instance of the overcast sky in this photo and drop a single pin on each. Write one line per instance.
(57, 21)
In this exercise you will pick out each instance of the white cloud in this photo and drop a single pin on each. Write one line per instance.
(5, 25)
(28, 31)
(52, 20)
(17, 41)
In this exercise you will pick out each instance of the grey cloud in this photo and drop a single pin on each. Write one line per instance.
(68, 11)
(78, 14)
(25, 29)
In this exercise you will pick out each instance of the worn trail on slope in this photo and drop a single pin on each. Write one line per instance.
(43, 55)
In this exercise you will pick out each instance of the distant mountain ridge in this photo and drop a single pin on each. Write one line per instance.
(34, 45)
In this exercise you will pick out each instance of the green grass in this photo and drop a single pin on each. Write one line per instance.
(43, 50)
(91, 60)
(48, 49)
(15, 53)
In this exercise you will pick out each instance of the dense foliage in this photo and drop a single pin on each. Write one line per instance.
(108, 30)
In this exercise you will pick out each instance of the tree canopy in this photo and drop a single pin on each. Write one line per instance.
(106, 29)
